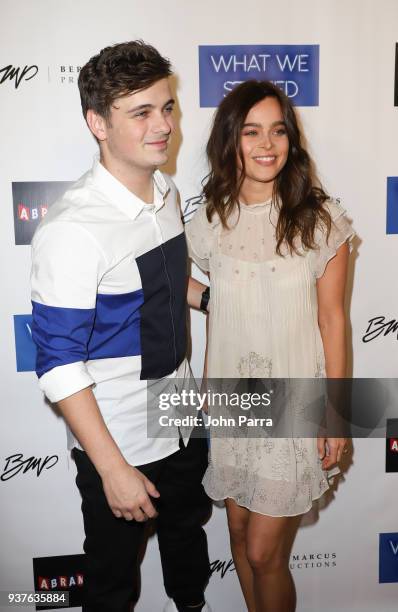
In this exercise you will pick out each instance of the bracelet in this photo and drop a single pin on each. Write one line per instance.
(205, 299)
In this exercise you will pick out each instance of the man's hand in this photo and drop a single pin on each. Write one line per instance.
(330, 451)
(127, 491)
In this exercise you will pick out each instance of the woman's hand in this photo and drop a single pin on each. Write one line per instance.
(330, 451)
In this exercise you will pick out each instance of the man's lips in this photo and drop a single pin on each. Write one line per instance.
(158, 143)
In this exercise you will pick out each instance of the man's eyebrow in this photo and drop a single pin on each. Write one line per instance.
(171, 101)
(141, 107)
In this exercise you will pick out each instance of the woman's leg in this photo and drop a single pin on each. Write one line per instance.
(269, 541)
(238, 519)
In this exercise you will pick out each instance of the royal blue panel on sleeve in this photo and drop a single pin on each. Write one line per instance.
(117, 325)
(61, 335)
(68, 335)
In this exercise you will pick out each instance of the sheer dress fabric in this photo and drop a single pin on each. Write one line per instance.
(263, 323)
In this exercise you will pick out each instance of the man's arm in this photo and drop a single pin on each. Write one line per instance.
(127, 490)
(66, 266)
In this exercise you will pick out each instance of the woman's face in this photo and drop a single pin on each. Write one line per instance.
(264, 144)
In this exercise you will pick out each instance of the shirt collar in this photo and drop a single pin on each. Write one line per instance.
(122, 197)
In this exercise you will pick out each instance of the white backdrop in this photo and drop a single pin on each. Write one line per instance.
(352, 135)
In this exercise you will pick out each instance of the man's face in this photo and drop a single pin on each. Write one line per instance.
(138, 130)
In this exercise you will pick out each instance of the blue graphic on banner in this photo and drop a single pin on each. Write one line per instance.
(392, 205)
(25, 348)
(388, 557)
(293, 68)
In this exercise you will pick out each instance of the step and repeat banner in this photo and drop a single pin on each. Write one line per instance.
(337, 61)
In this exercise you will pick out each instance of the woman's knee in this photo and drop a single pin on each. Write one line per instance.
(266, 559)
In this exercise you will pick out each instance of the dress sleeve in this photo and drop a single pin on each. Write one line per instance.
(200, 236)
(341, 230)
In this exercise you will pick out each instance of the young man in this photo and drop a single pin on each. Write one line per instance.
(109, 297)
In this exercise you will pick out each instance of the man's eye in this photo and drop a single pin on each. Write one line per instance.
(168, 109)
(141, 114)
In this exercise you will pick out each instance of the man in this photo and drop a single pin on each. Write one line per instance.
(109, 297)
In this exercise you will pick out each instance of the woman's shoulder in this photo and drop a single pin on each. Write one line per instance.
(334, 208)
(199, 219)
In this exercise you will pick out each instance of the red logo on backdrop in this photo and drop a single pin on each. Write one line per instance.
(59, 583)
(394, 445)
(61, 573)
(31, 201)
(25, 213)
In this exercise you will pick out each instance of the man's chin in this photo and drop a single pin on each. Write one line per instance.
(162, 159)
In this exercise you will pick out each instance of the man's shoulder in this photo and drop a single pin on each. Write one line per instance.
(81, 204)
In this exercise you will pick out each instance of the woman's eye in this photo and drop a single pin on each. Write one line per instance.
(280, 132)
(250, 133)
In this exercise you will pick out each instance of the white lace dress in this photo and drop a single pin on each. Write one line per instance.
(263, 323)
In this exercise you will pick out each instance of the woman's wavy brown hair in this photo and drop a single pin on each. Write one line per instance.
(296, 192)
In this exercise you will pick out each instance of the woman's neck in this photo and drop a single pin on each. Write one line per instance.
(255, 192)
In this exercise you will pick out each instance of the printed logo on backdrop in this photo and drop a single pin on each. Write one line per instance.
(313, 560)
(25, 348)
(388, 557)
(17, 464)
(63, 573)
(65, 74)
(31, 201)
(392, 446)
(221, 568)
(190, 207)
(18, 74)
(293, 68)
(380, 326)
(392, 205)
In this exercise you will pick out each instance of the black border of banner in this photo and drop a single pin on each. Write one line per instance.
(396, 76)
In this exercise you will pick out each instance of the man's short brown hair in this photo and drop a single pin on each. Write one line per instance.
(117, 71)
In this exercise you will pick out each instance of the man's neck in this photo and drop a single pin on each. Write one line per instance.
(136, 180)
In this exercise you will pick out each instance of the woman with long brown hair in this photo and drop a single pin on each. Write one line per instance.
(276, 249)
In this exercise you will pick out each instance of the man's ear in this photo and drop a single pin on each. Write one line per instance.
(97, 124)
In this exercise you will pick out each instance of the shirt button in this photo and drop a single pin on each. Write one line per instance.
(273, 269)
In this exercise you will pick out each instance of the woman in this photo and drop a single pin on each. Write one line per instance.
(275, 247)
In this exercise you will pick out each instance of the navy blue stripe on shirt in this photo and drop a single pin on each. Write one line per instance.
(68, 335)
(163, 272)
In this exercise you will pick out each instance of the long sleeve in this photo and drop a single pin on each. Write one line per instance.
(66, 268)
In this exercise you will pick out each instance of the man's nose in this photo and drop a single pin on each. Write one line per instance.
(162, 125)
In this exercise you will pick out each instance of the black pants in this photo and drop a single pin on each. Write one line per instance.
(112, 545)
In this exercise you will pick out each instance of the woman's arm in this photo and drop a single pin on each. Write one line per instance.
(332, 325)
(195, 290)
